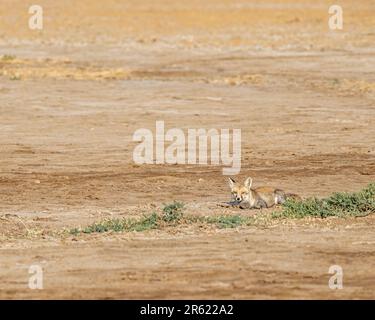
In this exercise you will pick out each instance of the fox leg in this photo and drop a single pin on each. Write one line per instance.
(245, 205)
(260, 204)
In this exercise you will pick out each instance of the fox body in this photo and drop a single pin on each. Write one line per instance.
(262, 197)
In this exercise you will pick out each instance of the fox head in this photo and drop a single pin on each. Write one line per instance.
(241, 192)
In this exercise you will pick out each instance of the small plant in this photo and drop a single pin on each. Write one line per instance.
(146, 223)
(105, 226)
(357, 203)
(74, 231)
(338, 204)
(118, 225)
(227, 221)
(173, 212)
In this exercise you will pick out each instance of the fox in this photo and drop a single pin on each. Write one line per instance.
(247, 197)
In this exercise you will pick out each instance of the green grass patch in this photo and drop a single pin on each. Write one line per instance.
(147, 222)
(171, 215)
(340, 204)
(227, 221)
(173, 212)
(105, 226)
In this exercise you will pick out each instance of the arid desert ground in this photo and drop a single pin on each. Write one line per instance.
(73, 94)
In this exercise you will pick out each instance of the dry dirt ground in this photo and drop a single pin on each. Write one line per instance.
(73, 94)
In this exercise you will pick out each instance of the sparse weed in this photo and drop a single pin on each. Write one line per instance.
(227, 221)
(146, 223)
(119, 225)
(171, 215)
(173, 212)
(74, 231)
(116, 225)
(339, 204)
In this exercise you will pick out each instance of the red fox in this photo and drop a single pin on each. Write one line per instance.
(262, 197)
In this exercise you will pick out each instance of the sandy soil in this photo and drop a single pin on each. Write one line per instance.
(74, 94)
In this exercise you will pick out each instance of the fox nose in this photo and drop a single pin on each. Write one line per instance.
(238, 198)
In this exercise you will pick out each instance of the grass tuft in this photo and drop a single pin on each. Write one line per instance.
(173, 212)
(148, 222)
(339, 204)
(227, 221)
(105, 226)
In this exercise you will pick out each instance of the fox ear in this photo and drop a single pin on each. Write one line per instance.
(248, 182)
(231, 183)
